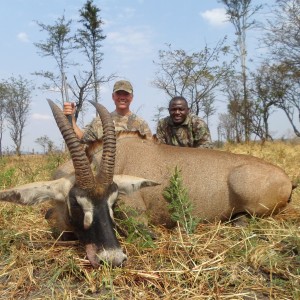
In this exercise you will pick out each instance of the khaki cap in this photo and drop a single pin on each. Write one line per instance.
(123, 85)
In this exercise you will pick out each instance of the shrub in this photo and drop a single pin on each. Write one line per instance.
(180, 204)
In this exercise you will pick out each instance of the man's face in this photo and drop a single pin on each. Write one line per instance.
(122, 99)
(178, 111)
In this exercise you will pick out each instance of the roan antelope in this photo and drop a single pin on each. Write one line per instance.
(221, 185)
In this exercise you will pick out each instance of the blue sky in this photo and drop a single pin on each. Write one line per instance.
(136, 30)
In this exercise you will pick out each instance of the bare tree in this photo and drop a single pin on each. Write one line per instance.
(240, 13)
(46, 143)
(58, 46)
(282, 33)
(194, 76)
(226, 128)
(263, 90)
(278, 85)
(81, 93)
(282, 39)
(2, 114)
(286, 89)
(17, 106)
(43, 142)
(159, 113)
(235, 111)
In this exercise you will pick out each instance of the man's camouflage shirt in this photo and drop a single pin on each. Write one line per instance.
(193, 132)
(130, 122)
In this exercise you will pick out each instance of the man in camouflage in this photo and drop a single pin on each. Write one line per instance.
(183, 128)
(123, 118)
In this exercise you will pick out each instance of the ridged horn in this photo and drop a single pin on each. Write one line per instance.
(107, 164)
(83, 172)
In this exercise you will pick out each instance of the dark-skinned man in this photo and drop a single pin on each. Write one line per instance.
(182, 128)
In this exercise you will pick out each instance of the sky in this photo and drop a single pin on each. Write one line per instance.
(135, 32)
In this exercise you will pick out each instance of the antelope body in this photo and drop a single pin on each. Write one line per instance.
(220, 185)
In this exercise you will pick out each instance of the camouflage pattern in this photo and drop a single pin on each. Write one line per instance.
(123, 85)
(193, 132)
(131, 122)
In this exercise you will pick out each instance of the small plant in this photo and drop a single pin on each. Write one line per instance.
(180, 204)
(29, 172)
(55, 159)
(135, 231)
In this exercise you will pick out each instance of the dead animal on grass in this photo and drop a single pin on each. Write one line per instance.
(136, 171)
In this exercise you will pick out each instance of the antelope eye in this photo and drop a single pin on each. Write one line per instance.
(75, 210)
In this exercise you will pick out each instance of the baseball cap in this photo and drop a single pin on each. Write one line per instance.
(123, 85)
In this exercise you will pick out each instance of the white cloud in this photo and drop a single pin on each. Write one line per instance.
(215, 17)
(41, 117)
(127, 13)
(131, 43)
(23, 37)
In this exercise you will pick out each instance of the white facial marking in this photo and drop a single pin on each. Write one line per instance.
(87, 207)
(69, 207)
(110, 202)
(88, 220)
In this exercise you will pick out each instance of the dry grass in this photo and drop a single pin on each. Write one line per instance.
(219, 261)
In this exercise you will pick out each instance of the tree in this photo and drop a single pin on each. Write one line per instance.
(235, 111)
(90, 38)
(282, 33)
(2, 114)
(58, 46)
(278, 85)
(81, 93)
(17, 107)
(282, 39)
(264, 86)
(239, 13)
(226, 128)
(194, 76)
(45, 143)
(286, 92)
(159, 113)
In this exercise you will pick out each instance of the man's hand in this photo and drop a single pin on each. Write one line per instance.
(69, 108)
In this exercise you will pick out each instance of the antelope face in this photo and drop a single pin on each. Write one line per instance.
(89, 216)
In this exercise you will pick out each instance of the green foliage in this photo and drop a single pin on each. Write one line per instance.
(180, 203)
(8, 238)
(6, 178)
(55, 159)
(68, 268)
(135, 231)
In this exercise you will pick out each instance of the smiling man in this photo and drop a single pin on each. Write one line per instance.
(123, 118)
(183, 128)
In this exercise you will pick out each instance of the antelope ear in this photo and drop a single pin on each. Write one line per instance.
(128, 184)
(38, 192)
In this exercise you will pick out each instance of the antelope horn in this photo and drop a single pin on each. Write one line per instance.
(83, 172)
(107, 164)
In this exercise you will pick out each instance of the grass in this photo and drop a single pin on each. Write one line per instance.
(217, 261)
